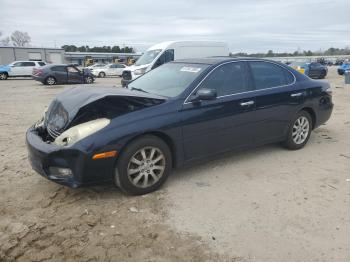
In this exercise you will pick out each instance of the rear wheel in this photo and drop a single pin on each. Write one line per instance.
(50, 81)
(102, 74)
(143, 166)
(299, 131)
(3, 76)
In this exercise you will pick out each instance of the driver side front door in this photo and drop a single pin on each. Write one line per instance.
(223, 124)
(74, 75)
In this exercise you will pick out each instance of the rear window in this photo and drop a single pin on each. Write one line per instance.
(268, 75)
(41, 63)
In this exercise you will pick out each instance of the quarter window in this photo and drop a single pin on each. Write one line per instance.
(267, 75)
(227, 79)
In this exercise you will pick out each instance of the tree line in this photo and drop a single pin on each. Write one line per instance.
(99, 49)
(270, 53)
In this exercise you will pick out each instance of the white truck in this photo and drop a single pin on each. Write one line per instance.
(169, 51)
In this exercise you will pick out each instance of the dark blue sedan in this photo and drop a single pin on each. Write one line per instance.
(62, 74)
(179, 113)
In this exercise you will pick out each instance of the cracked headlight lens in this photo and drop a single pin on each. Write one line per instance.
(78, 132)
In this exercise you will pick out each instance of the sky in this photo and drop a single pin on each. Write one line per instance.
(247, 26)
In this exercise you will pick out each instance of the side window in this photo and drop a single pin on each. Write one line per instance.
(120, 66)
(59, 69)
(227, 79)
(267, 75)
(113, 66)
(18, 64)
(28, 64)
(169, 55)
(72, 69)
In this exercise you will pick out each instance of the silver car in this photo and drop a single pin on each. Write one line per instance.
(108, 70)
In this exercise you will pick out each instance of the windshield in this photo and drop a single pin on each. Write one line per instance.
(147, 57)
(168, 80)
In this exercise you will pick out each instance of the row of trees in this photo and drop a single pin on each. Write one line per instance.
(270, 53)
(17, 38)
(99, 49)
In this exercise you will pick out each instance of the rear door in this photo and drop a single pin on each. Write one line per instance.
(120, 69)
(111, 70)
(28, 68)
(60, 73)
(222, 124)
(277, 97)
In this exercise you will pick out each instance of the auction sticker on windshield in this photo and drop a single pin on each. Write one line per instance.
(190, 69)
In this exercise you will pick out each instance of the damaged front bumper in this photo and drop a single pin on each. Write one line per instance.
(80, 168)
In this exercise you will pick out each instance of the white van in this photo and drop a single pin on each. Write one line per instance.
(168, 51)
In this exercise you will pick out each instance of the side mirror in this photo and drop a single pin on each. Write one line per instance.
(204, 94)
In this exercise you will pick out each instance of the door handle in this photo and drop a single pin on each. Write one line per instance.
(249, 103)
(296, 94)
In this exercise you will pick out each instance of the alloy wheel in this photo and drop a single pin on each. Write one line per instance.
(88, 80)
(50, 81)
(301, 130)
(146, 167)
(3, 76)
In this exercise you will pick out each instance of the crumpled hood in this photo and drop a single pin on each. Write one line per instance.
(74, 99)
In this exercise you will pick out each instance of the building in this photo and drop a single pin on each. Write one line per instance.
(50, 55)
(103, 58)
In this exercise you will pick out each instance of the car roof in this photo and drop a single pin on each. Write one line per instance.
(219, 59)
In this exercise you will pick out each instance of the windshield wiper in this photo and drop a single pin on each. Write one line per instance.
(138, 89)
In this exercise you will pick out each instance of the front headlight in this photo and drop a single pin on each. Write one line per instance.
(78, 132)
(140, 71)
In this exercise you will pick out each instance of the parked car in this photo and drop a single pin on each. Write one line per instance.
(19, 69)
(96, 66)
(313, 70)
(109, 70)
(344, 67)
(177, 114)
(169, 51)
(62, 74)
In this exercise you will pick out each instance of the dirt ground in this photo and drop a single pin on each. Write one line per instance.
(265, 204)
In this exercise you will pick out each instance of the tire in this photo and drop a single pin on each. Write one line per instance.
(89, 80)
(299, 131)
(3, 76)
(135, 172)
(102, 74)
(50, 80)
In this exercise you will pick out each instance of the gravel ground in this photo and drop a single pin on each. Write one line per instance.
(265, 204)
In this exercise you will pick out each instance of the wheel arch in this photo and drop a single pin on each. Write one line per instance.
(312, 113)
(161, 135)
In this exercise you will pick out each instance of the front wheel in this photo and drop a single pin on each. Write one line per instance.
(299, 131)
(144, 166)
(3, 76)
(89, 80)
